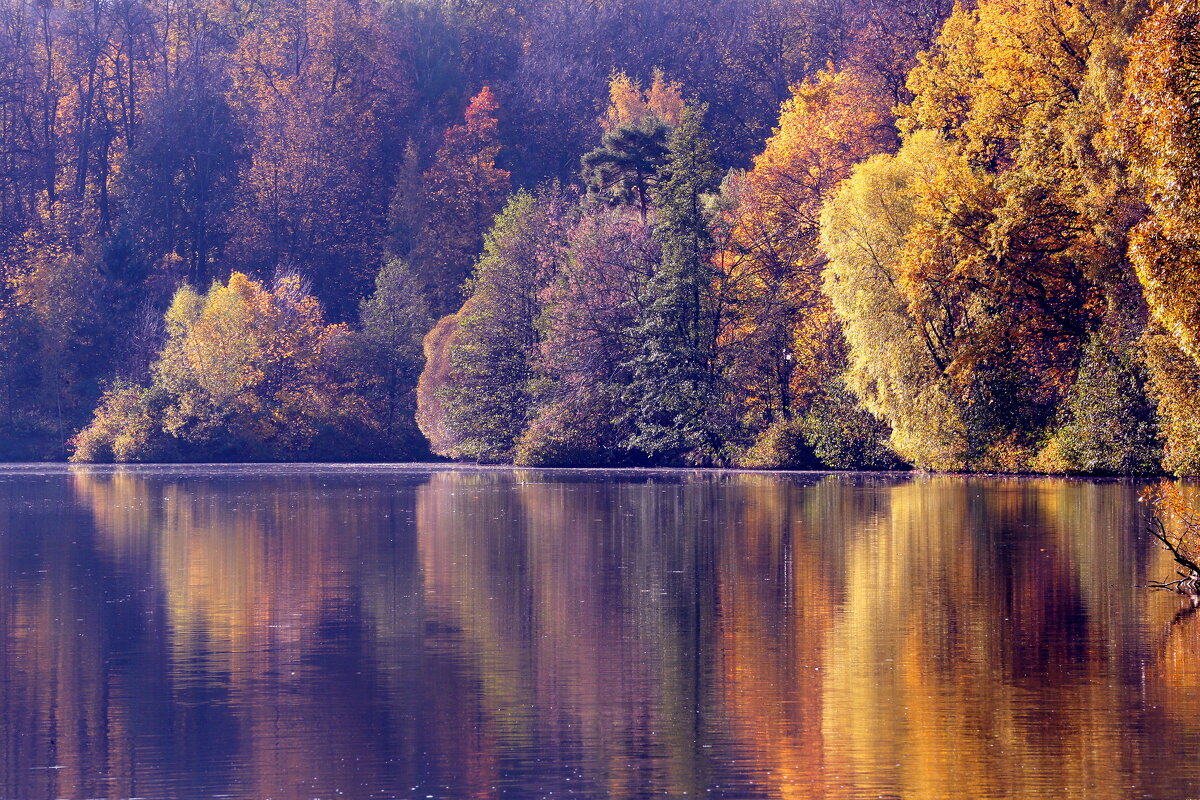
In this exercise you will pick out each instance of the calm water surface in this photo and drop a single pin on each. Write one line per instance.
(360, 632)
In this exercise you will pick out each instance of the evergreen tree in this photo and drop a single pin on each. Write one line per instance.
(406, 211)
(1110, 426)
(623, 168)
(389, 357)
(675, 395)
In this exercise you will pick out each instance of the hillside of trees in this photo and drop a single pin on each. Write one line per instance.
(851, 234)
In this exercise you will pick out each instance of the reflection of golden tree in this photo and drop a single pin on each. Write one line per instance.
(249, 586)
(952, 610)
(1175, 524)
(121, 504)
(772, 632)
(254, 571)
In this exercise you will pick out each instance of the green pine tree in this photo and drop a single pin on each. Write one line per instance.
(675, 397)
(388, 358)
(625, 165)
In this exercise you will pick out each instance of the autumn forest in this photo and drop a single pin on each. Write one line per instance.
(842, 234)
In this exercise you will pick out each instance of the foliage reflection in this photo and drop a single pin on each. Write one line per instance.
(480, 633)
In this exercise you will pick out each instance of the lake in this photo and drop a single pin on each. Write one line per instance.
(375, 632)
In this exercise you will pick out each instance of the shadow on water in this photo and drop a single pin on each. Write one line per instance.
(312, 632)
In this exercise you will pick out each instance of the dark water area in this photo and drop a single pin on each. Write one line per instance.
(358, 632)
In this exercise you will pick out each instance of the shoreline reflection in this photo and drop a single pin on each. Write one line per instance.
(510, 633)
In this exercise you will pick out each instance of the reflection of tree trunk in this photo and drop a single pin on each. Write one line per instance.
(1188, 584)
(1182, 614)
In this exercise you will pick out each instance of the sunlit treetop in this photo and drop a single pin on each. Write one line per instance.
(629, 104)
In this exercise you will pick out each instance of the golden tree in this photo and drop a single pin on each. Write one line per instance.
(1161, 125)
(248, 371)
(787, 340)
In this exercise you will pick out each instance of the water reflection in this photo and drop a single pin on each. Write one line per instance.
(299, 633)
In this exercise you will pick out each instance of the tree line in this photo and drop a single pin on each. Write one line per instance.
(985, 266)
(767, 233)
(148, 144)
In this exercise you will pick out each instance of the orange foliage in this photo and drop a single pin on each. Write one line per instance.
(789, 340)
(464, 189)
(1176, 521)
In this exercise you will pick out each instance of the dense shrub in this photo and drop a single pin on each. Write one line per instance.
(842, 435)
(121, 429)
(780, 446)
(247, 373)
(1110, 425)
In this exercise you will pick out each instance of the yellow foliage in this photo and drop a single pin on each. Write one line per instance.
(249, 366)
(786, 329)
(629, 104)
(981, 235)
(1175, 522)
(996, 64)
(1157, 133)
(56, 275)
(1050, 459)
(1162, 124)
(121, 430)
(895, 368)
